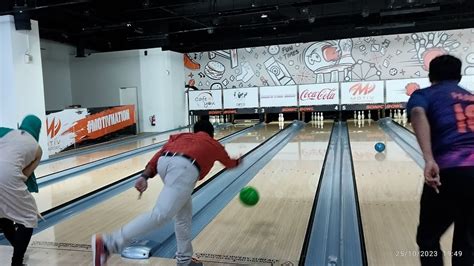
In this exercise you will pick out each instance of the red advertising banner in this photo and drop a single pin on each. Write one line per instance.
(73, 126)
(105, 122)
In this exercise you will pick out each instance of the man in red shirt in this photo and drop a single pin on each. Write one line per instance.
(183, 160)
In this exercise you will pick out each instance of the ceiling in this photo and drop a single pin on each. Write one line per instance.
(199, 25)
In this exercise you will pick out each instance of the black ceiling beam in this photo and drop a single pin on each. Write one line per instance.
(193, 12)
(36, 8)
(175, 3)
(328, 31)
(183, 17)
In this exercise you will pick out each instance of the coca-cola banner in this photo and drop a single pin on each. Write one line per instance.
(241, 98)
(362, 92)
(400, 90)
(319, 94)
(278, 96)
(467, 82)
(205, 100)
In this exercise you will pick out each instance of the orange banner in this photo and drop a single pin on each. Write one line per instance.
(100, 124)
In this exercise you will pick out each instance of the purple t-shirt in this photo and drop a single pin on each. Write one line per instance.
(450, 112)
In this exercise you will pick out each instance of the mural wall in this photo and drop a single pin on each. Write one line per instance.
(388, 57)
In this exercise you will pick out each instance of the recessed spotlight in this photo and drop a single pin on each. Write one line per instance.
(264, 16)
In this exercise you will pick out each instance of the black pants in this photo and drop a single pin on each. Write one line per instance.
(19, 237)
(454, 204)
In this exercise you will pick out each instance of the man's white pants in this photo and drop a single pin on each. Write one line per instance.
(179, 177)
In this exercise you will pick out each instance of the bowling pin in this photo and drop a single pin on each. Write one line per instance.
(363, 115)
(391, 115)
(355, 114)
(369, 115)
(322, 116)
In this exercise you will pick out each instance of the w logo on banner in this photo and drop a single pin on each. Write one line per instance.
(358, 89)
(53, 128)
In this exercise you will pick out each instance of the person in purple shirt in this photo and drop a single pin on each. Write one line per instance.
(443, 119)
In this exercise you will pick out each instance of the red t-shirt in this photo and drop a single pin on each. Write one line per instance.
(199, 146)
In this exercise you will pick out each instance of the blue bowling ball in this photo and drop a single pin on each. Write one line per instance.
(379, 147)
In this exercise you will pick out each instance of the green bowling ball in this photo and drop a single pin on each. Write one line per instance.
(249, 196)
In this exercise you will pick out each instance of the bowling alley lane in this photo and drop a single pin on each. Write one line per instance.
(389, 186)
(58, 193)
(75, 232)
(81, 159)
(272, 231)
(409, 127)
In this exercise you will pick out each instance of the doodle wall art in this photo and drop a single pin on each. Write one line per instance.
(402, 56)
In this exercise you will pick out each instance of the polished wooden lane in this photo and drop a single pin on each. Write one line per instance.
(61, 192)
(78, 257)
(111, 214)
(389, 187)
(273, 231)
(73, 161)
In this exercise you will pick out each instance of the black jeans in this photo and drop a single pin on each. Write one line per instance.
(19, 237)
(454, 204)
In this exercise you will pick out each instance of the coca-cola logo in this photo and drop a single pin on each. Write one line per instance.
(323, 94)
(362, 89)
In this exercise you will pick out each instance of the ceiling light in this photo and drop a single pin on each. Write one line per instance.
(392, 26)
(365, 12)
(407, 11)
(138, 30)
(264, 16)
